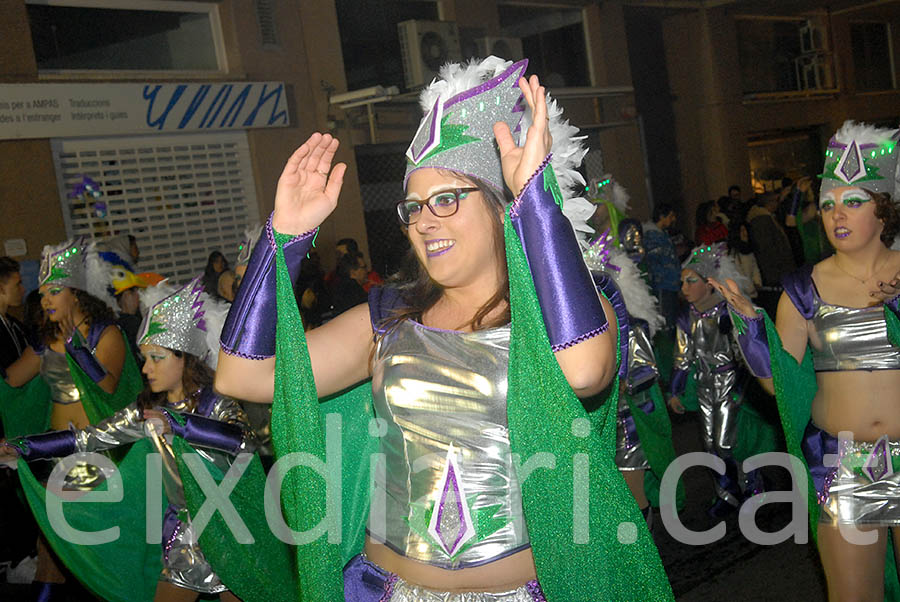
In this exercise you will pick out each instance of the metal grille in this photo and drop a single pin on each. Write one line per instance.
(181, 196)
(381, 169)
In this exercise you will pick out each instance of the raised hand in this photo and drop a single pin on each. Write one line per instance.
(520, 162)
(734, 297)
(308, 188)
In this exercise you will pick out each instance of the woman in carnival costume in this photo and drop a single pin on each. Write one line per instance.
(86, 372)
(466, 370)
(179, 341)
(644, 432)
(704, 347)
(833, 362)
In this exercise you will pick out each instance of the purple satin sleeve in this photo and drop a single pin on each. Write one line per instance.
(55, 444)
(607, 286)
(569, 301)
(816, 443)
(249, 329)
(801, 290)
(794, 208)
(751, 338)
(679, 382)
(85, 359)
(208, 432)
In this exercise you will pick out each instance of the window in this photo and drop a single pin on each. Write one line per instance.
(69, 35)
(181, 196)
(552, 39)
(872, 56)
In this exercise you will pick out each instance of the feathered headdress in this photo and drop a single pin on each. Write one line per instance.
(75, 263)
(456, 133)
(248, 241)
(185, 319)
(603, 255)
(713, 261)
(863, 155)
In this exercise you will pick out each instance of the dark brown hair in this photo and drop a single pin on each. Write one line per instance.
(195, 377)
(886, 211)
(94, 310)
(419, 292)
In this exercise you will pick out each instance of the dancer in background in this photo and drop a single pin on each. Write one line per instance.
(179, 341)
(481, 353)
(86, 371)
(644, 432)
(704, 348)
(833, 362)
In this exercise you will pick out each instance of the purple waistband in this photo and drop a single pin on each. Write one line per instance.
(365, 581)
(816, 443)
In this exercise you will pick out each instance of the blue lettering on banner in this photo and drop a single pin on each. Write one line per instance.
(199, 113)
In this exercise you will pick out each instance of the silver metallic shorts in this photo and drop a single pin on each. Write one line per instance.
(863, 489)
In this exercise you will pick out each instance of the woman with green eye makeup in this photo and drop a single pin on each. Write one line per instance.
(86, 372)
(833, 362)
(179, 341)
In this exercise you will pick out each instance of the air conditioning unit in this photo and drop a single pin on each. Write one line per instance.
(810, 38)
(503, 47)
(426, 46)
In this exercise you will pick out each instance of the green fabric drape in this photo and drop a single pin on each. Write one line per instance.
(575, 524)
(795, 387)
(27, 410)
(655, 432)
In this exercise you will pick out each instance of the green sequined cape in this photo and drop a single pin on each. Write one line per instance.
(795, 387)
(655, 432)
(26, 410)
(589, 539)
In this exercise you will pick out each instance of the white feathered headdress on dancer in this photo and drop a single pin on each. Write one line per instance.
(603, 255)
(456, 133)
(714, 261)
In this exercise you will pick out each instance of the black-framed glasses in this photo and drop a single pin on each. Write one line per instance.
(441, 204)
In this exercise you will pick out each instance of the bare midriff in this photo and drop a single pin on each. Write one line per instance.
(64, 414)
(503, 575)
(866, 403)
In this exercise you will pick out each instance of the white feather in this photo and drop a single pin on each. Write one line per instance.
(863, 133)
(99, 276)
(639, 302)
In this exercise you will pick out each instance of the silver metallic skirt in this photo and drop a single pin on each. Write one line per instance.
(629, 452)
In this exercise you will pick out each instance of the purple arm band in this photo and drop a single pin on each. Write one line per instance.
(84, 357)
(207, 432)
(607, 286)
(569, 301)
(249, 329)
(751, 338)
(54, 444)
(679, 382)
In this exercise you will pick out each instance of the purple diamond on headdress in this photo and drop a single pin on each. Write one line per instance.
(428, 136)
(878, 464)
(451, 525)
(851, 165)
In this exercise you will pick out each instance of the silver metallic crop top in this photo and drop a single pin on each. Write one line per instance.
(850, 338)
(842, 338)
(448, 494)
(55, 371)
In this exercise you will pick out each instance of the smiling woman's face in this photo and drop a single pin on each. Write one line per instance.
(459, 249)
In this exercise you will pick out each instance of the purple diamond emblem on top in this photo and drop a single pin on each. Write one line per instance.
(451, 523)
(428, 136)
(851, 166)
(878, 464)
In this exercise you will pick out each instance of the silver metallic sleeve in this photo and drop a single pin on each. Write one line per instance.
(684, 350)
(125, 426)
(642, 370)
